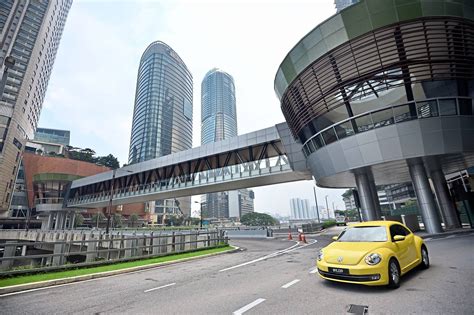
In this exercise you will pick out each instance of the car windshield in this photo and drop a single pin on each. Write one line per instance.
(364, 234)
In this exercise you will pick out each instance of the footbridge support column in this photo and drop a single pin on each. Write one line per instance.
(424, 196)
(366, 188)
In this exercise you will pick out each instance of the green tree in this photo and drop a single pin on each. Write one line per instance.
(99, 216)
(78, 219)
(258, 219)
(133, 219)
(109, 161)
(117, 220)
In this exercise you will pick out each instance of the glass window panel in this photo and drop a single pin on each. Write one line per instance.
(318, 142)
(364, 123)
(382, 118)
(447, 107)
(402, 113)
(427, 109)
(344, 130)
(466, 106)
(329, 136)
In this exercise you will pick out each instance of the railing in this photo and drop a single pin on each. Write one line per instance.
(390, 115)
(20, 257)
(244, 170)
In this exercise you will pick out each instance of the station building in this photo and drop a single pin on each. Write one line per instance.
(382, 93)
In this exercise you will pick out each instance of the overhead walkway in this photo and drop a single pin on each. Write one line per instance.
(263, 157)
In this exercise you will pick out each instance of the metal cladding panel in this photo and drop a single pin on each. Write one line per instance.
(356, 20)
(333, 164)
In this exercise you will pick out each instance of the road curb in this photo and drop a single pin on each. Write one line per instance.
(48, 283)
(447, 233)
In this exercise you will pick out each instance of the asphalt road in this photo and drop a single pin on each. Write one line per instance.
(273, 276)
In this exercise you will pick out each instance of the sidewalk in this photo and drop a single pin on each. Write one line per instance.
(424, 234)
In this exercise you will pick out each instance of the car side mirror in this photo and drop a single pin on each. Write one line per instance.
(398, 238)
(334, 238)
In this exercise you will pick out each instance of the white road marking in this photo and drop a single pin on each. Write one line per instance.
(289, 284)
(450, 236)
(280, 252)
(428, 239)
(163, 286)
(315, 270)
(248, 306)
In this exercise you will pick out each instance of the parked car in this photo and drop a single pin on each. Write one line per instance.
(340, 220)
(372, 253)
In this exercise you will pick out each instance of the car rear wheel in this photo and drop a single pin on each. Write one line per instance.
(393, 274)
(425, 259)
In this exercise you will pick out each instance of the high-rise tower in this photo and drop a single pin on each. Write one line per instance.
(219, 122)
(163, 114)
(30, 31)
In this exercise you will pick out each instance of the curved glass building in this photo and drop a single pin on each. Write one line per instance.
(163, 114)
(382, 93)
(219, 122)
(218, 110)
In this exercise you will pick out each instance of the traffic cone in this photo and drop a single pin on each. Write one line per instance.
(290, 237)
(304, 238)
(300, 238)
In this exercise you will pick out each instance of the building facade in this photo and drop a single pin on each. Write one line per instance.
(52, 140)
(301, 210)
(219, 122)
(30, 32)
(382, 93)
(163, 114)
(342, 4)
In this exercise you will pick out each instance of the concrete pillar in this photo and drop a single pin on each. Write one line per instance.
(91, 249)
(365, 195)
(55, 215)
(9, 251)
(73, 221)
(50, 221)
(448, 212)
(424, 195)
(59, 250)
(375, 196)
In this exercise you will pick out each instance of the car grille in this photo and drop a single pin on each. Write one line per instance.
(356, 278)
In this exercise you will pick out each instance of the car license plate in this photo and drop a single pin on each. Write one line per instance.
(341, 271)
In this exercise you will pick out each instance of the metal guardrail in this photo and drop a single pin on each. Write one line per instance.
(433, 107)
(105, 249)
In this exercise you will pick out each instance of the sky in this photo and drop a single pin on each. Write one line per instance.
(91, 90)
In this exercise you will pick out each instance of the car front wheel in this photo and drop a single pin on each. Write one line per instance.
(393, 274)
(425, 260)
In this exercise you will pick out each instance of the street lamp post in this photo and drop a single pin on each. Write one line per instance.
(200, 214)
(317, 207)
(327, 206)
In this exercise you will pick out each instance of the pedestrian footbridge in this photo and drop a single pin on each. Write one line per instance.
(264, 157)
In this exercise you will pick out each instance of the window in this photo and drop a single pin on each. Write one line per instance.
(397, 229)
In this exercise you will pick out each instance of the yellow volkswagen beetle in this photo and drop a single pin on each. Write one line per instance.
(372, 253)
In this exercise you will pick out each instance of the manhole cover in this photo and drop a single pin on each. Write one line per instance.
(358, 309)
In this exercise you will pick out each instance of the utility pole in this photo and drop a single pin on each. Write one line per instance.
(317, 207)
(327, 206)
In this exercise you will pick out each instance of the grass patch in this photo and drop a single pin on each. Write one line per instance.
(86, 271)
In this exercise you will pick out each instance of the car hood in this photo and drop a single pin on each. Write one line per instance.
(351, 253)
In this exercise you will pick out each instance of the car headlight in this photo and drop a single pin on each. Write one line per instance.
(320, 255)
(373, 259)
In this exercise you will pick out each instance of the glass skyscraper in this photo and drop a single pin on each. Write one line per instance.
(30, 32)
(163, 114)
(219, 122)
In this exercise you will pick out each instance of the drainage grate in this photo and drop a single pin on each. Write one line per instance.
(358, 309)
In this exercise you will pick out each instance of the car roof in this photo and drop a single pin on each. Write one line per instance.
(375, 223)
